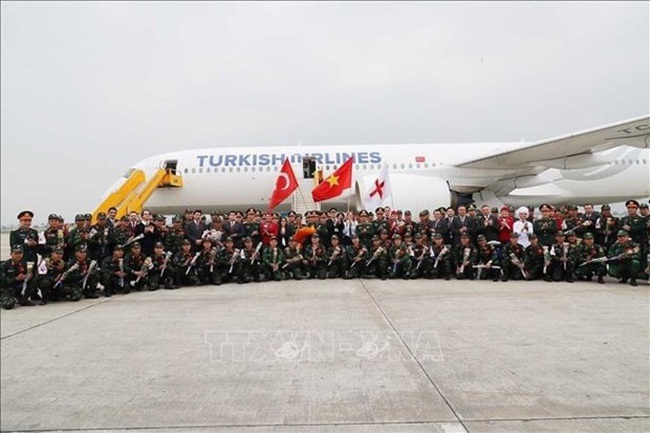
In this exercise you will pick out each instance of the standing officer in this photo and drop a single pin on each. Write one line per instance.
(546, 227)
(25, 236)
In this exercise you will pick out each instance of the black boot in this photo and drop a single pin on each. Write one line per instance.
(600, 279)
(633, 282)
(25, 302)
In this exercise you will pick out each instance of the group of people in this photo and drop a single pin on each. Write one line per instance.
(142, 252)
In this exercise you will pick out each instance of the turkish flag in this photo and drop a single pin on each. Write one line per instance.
(334, 184)
(285, 185)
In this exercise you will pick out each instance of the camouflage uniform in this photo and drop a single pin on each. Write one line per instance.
(586, 253)
(134, 261)
(421, 260)
(441, 262)
(399, 260)
(465, 256)
(336, 259)
(11, 290)
(562, 263)
(314, 260)
(487, 255)
(628, 265)
(293, 261)
(110, 278)
(184, 275)
(272, 258)
(207, 265)
(377, 264)
(511, 254)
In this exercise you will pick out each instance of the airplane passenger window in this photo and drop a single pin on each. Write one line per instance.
(417, 165)
(230, 169)
(223, 169)
(365, 166)
(637, 162)
(410, 165)
(245, 169)
(275, 168)
(394, 166)
(185, 171)
(402, 165)
(630, 161)
(207, 170)
(268, 168)
(327, 167)
(252, 168)
(194, 170)
(644, 161)
(200, 170)
(426, 165)
(238, 169)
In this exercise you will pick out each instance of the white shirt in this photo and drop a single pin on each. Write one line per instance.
(524, 228)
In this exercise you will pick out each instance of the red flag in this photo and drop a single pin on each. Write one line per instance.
(285, 184)
(335, 184)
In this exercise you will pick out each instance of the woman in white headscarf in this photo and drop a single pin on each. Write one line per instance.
(523, 226)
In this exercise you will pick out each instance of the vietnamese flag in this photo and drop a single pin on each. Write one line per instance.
(335, 184)
(285, 185)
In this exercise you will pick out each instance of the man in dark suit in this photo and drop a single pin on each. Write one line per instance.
(150, 232)
(235, 229)
(194, 230)
(462, 223)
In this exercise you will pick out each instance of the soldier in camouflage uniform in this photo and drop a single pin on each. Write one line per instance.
(424, 225)
(441, 256)
(272, 258)
(54, 235)
(252, 226)
(230, 261)
(162, 271)
(25, 236)
(364, 230)
(55, 266)
(336, 259)
(136, 268)
(184, 272)
(175, 236)
(113, 275)
(377, 264)
(314, 259)
(465, 256)
(293, 260)
(399, 259)
(250, 263)
(207, 265)
(421, 260)
(637, 227)
(379, 223)
(513, 262)
(546, 227)
(78, 236)
(13, 274)
(85, 273)
(586, 252)
(487, 257)
(534, 258)
(562, 262)
(99, 239)
(121, 232)
(624, 259)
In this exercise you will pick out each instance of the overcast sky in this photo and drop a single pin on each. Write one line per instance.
(90, 88)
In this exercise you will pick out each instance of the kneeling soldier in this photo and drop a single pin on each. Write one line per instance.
(249, 269)
(15, 286)
(465, 257)
(514, 259)
(113, 273)
(184, 266)
(207, 266)
(534, 258)
(137, 267)
(272, 259)
(624, 259)
(293, 260)
(313, 258)
(377, 265)
(162, 271)
(442, 256)
(421, 257)
(562, 260)
(399, 259)
(588, 266)
(336, 261)
(488, 263)
(56, 267)
(82, 276)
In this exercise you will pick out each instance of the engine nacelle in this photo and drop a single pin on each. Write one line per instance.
(408, 192)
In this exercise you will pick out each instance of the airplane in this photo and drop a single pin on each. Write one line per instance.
(600, 165)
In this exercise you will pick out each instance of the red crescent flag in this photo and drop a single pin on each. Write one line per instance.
(335, 183)
(285, 185)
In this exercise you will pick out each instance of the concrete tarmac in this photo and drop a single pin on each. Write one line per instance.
(334, 356)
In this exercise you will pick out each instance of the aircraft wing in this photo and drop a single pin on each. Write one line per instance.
(634, 133)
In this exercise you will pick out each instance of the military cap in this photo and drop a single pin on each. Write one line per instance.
(60, 217)
(250, 210)
(334, 237)
(514, 235)
(88, 216)
(494, 210)
(464, 235)
(177, 219)
(572, 207)
(186, 242)
(471, 207)
(159, 245)
(408, 234)
(605, 207)
(124, 218)
(480, 238)
(161, 218)
(631, 203)
(315, 235)
(588, 235)
(17, 249)
(101, 215)
(622, 233)
(248, 239)
(560, 233)
(58, 250)
(643, 206)
(424, 212)
(570, 233)
(418, 235)
(274, 238)
(437, 235)
(407, 212)
(80, 217)
(379, 209)
(397, 236)
(26, 212)
(374, 238)
(363, 212)
(545, 206)
(399, 212)
(135, 245)
(229, 239)
(120, 247)
(355, 236)
(82, 248)
(532, 236)
(442, 209)
(292, 213)
(53, 216)
(333, 209)
(383, 232)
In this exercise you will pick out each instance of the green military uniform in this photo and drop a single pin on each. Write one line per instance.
(399, 260)
(56, 267)
(465, 256)
(336, 259)
(585, 253)
(13, 287)
(545, 229)
(99, 239)
(314, 259)
(535, 259)
(513, 262)
(184, 273)
(230, 261)
(82, 278)
(20, 237)
(562, 264)
(250, 268)
(162, 272)
(252, 230)
(207, 265)
(377, 264)
(627, 263)
(293, 261)
(357, 255)
(487, 256)
(113, 275)
(365, 231)
(272, 258)
(135, 261)
(421, 260)
(441, 258)
(78, 235)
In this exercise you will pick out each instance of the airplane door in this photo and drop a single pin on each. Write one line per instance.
(308, 167)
